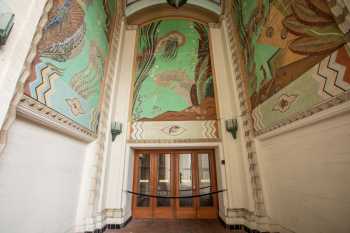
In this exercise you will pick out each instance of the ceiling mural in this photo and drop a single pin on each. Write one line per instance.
(110, 7)
(297, 56)
(68, 70)
(174, 81)
(133, 6)
(129, 2)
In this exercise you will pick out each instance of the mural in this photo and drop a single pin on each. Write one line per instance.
(68, 70)
(297, 55)
(174, 81)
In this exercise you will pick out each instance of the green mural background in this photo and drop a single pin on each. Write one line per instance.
(68, 71)
(174, 77)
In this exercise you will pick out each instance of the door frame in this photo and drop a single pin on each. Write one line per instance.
(175, 211)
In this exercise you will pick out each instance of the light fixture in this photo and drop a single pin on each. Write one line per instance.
(116, 129)
(232, 127)
(6, 22)
(177, 3)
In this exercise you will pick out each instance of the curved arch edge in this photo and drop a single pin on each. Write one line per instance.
(164, 11)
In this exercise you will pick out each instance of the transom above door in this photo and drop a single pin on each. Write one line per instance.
(168, 180)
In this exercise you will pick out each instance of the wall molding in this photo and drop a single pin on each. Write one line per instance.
(330, 108)
(42, 114)
(107, 219)
(156, 141)
(248, 221)
(246, 121)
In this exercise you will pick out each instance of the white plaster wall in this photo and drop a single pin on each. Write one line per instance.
(13, 54)
(119, 166)
(40, 176)
(306, 176)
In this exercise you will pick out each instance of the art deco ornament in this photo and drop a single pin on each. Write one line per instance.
(6, 22)
(177, 3)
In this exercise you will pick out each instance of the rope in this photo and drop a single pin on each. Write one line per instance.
(184, 190)
(175, 197)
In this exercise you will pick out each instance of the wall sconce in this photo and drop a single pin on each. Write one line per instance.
(232, 127)
(6, 22)
(116, 129)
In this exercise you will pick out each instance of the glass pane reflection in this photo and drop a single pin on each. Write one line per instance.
(185, 179)
(164, 179)
(204, 180)
(144, 185)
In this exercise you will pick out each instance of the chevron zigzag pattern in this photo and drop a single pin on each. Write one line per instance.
(42, 87)
(330, 74)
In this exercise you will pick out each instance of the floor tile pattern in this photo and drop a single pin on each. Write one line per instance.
(174, 226)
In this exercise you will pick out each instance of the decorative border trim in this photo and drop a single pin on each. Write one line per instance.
(11, 114)
(342, 98)
(42, 114)
(173, 140)
(246, 121)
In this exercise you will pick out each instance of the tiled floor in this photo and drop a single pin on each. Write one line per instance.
(174, 226)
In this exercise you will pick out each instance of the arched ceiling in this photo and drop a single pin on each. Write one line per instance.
(133, 6)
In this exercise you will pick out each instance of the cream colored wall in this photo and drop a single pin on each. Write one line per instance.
(13, 54)
(119, 164)
(235, 171)
(40, 176)
(306, 175)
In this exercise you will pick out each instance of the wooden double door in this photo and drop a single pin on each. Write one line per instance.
(165, 175)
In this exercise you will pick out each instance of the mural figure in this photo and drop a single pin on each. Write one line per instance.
(292, 48)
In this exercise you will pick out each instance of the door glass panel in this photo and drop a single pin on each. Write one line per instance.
(204, 180)
(185, 179)
(144, 182)
(164, 180)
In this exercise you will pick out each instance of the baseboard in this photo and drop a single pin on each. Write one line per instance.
(111, 227)
(241, 227)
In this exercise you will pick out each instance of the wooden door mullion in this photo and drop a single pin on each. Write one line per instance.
(153, 180)
(176, 181)
(196, 183)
